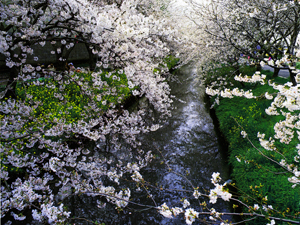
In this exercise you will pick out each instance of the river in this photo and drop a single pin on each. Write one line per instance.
(189, 144)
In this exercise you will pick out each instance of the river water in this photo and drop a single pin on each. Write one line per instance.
(189, 144)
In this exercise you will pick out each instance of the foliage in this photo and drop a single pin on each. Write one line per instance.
(70, 103)
(171, 61)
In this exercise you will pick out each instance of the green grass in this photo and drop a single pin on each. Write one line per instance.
(256, 176)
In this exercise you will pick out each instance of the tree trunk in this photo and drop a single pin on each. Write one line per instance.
(92, 59)
(258, 66)
(11, 91)
(276, 72)
(292, 78)
(236, 69)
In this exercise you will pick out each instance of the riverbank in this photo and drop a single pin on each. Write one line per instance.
(257, 179)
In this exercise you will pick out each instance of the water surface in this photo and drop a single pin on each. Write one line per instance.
(188, 144)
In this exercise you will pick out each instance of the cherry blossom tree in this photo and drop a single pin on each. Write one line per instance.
(285, 103)
(62, 131)
(61, 134)
(85, 142)
(224, 30)
(260, 30)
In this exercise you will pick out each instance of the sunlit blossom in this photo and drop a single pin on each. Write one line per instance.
(196, 194)
(190, 215)
(186, 203)
(165, 211)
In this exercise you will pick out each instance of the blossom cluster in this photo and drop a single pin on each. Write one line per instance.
(256, 77)
(189, 213)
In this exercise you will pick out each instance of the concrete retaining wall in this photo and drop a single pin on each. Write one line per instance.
(78, 53)
(44, 55)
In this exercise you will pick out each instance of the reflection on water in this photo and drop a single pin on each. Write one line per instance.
(188, 143)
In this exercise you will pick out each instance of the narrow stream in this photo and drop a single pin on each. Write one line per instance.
(189, 144)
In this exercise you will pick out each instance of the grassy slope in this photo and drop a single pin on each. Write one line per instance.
(255, 175)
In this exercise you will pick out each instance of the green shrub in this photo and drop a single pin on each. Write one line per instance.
(73, 104)
(171, 61)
